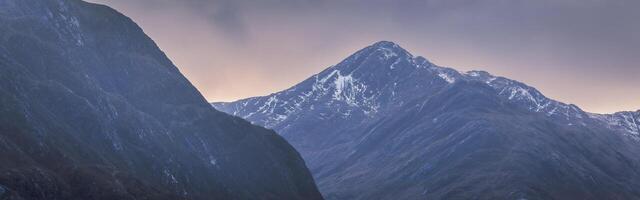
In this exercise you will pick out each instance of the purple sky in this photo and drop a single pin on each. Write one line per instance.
(585, 52)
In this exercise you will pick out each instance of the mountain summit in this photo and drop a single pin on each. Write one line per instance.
(384, 124)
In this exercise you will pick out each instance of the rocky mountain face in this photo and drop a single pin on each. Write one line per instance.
(90, 108)
(384, 124)
(628, 122)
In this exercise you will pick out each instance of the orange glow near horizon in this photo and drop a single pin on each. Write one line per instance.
(235, 49)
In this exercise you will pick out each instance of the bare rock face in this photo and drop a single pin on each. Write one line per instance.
(90, 108)
(384, 124)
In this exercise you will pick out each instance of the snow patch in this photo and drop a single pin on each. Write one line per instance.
(387, 53)
(447, 78)
(393, 66)
(472, 73)
(344, 89)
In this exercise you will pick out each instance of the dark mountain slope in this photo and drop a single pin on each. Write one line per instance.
(92, 109)
(383, 124)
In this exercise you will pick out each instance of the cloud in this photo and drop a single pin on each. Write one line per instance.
(570, 49)
(224, 15)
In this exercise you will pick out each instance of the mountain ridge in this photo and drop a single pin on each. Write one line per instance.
(93, 109)
(508, 88)
(382, 124)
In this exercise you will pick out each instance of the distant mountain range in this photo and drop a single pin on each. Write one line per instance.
(90, 108)
(384, 124)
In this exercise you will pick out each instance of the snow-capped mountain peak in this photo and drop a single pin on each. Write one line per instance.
(361, 84)
(383, 76)
(385, 113)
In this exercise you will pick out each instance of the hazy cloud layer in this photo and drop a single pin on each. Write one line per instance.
(584, 52)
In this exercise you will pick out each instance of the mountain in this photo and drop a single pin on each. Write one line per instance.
(628, 122)
(91, 108)
(384, 124)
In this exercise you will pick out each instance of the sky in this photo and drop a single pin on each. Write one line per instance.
(584, 52)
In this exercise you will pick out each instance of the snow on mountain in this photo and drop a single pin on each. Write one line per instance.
(384, 124)
(350, 87)
(528, 97)
(627, 121)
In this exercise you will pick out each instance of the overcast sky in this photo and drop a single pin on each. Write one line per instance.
(585, 52)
